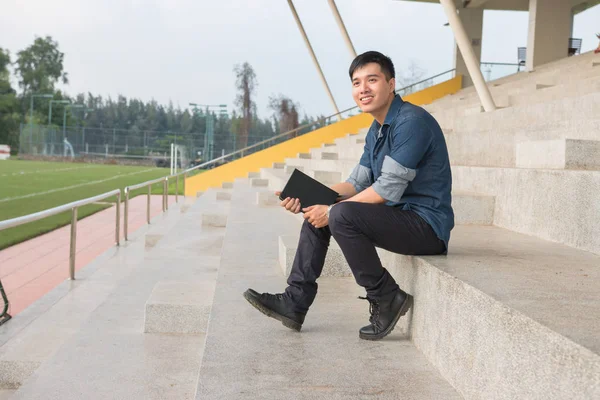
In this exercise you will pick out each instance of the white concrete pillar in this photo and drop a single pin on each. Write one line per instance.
(472, 19)
(314, 58)
(464, 44)
(549, 31)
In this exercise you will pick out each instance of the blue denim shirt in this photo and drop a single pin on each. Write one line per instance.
(406, 162)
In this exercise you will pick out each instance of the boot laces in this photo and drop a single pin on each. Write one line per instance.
(276, 296)
(373, 309)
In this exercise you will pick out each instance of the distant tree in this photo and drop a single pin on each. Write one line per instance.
(9, 117)
(246, 85)
(40, 66)
(286, 113)
(413, 74)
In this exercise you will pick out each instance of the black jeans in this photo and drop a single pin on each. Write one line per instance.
(358, 228)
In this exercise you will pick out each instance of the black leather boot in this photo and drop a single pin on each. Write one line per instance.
(385, 313)
(277, 306)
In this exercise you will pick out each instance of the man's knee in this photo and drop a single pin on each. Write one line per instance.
(309, 230)
(339, 215)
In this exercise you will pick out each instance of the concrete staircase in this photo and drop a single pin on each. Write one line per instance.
(512, 312)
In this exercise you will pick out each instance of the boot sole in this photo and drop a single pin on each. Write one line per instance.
(403, 310)
(288, 323)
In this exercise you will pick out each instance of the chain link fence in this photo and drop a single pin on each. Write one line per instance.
(140, 147)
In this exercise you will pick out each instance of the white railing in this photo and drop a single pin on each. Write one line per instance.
(11, 223)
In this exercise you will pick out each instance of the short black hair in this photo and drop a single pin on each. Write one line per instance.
(386, 64)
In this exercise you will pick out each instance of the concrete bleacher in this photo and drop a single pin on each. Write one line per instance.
(512, 312)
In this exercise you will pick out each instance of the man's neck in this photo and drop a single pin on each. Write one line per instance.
(380, 115)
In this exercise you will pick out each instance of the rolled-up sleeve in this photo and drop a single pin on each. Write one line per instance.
(411, 141)
(362, 175)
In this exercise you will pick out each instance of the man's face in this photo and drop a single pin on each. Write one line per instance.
(370, 89)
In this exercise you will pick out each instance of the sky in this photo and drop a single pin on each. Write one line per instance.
(185, 50)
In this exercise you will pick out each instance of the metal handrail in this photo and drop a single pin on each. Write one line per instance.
(73, 206)
(498, 63)
(148, 184)
(425, 80)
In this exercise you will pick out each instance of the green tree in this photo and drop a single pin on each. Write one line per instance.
(246, 85)
(40, 66)
(286, 113)
(9, 117)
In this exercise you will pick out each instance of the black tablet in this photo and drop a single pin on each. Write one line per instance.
(308, 190)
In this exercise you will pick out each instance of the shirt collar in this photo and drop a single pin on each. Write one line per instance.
(393, 111)
(391, 114)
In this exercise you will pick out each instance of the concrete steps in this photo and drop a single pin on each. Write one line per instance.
(524, 94)
(500, 305)
(107, 354)
(559, 154)
(36, 334)
(580, 107)
(249, 356)
(498, 147)
(556, 205)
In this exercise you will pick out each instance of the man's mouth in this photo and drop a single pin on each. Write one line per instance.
(366, 99)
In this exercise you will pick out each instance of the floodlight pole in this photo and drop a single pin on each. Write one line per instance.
(314, 57)
(210, 126)
(65, 116)
(50, 109)
(340, 22)
(464, 45)
(45, 96)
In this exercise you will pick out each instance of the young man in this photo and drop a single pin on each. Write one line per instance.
(397, 198)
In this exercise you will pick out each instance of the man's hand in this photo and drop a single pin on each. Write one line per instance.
(292, 205)
(316, 215)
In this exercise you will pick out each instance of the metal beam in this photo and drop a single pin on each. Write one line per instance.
(464, 45)
(314, 57)
(474, 3)
(340, 22)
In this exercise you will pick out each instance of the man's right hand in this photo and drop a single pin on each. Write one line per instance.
(292, 205)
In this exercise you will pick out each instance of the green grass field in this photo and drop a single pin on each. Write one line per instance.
(31, 186)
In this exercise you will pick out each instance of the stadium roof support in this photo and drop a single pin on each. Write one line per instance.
(314, 57)
(471, 61)
(340, 22)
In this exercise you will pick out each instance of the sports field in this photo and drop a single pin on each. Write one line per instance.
(30, 186)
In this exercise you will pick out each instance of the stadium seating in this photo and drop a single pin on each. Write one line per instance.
(512, 312)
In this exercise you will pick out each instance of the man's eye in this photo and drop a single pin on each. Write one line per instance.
(372, 80)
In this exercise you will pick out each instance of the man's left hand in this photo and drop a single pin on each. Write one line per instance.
(316, 215)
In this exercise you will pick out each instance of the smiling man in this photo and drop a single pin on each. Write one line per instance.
(397, 198)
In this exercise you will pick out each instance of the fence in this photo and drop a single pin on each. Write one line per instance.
(143, 146)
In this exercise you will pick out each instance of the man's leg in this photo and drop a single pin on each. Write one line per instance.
(291, 307)
(308, 265)
(359, 228)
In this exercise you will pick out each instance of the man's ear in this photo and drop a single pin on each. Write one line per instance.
(392, 84)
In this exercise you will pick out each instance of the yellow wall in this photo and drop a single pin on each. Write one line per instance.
(429, 95)
(290, 148)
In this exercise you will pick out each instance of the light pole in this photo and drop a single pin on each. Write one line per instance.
(65, 116)
(45, 96)
(85, 113)
(50, 110)
(210, 126)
